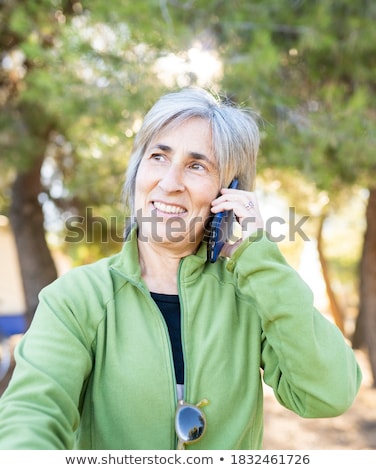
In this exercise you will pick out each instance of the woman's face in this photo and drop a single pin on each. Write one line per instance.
(176, 181)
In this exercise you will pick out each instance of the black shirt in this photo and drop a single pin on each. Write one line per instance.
(169, 306)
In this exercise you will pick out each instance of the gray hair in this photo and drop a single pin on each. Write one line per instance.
(235, 135)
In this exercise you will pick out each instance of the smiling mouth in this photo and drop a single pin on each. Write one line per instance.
(168, 208)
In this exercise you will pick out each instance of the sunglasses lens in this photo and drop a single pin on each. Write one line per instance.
(190, 423)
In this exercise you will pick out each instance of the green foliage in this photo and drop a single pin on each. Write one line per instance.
(308, 67)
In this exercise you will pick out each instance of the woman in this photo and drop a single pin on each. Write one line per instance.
(117, 347)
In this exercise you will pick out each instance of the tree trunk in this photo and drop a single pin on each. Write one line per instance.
(367, 294)
(335, 308)
(359, 336)
(27, 220)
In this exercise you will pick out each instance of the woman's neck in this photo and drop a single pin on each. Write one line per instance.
(159, 268)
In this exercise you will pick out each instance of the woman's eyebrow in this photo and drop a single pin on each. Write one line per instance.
(195, 155)
(200, 156)
(163, 147)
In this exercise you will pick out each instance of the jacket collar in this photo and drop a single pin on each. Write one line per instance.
(127, 263)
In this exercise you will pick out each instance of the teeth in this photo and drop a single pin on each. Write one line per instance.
(168, 209)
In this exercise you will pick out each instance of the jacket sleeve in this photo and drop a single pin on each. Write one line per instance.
(305, 358)
(40, 407)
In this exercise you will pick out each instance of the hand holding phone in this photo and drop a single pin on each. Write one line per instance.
(220, 229)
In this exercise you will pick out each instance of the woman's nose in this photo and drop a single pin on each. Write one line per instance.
(172, 181)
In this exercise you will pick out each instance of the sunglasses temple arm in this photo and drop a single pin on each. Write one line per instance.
(181, 445)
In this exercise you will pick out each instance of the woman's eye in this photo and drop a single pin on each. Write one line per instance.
(158, 157)
(197, 166)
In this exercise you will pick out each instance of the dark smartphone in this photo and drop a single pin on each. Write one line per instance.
(220, 229)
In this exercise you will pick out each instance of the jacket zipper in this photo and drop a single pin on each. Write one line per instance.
(182, 328)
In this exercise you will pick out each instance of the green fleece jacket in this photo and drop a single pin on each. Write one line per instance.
(95, 369)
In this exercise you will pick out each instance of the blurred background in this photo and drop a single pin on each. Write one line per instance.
(76, 78)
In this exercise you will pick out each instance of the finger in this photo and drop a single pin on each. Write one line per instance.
(235, 195)
(237, 206)
(236, 202)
